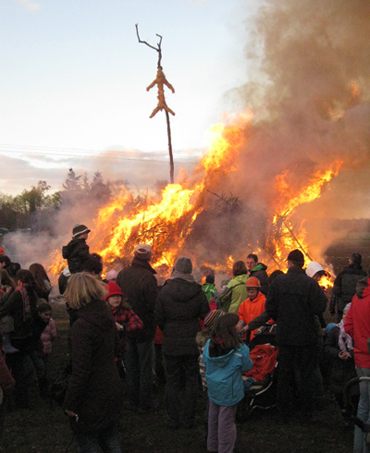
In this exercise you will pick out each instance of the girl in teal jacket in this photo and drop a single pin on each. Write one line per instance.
(226, 358)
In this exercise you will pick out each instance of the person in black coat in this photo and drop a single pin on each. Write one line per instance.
(94, 395)
(293, 301)
(77, 252)
(180, 304)
(345, 285)
(139, 286)
(258, 270)
(21, 306)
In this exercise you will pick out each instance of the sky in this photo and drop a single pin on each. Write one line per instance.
(73, 83)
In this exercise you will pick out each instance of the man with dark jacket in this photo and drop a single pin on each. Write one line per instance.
(77, 252)
(139, 286)
(293, 301)
(180, 304)
(258, 270)
(345, 285)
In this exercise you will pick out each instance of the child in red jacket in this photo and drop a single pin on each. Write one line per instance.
(126, 320)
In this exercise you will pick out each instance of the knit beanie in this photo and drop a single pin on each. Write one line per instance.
(296, 256)
(329, 327)
(356, 258)
(211, 317)
(184, 265)
(79, 229)
(113, 290)
(143, 252)
(210, 278)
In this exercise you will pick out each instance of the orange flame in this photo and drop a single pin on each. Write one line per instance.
(123, 223)
(287, 238)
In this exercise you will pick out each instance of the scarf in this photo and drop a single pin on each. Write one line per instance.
(187, 277)
(345, 342)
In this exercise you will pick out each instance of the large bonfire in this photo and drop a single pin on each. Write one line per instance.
(166, 224)
(310, 97)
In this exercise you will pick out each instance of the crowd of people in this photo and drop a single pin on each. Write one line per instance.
(128, 333)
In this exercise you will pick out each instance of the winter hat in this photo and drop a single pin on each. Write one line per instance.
(5, 259)
(210, 318)
(184, 265)
(113, 290)
(329, 327)
(356, 258)
(111, 275)
(79, 229)
(297, 256)
(2, 251)
(313, 268)
(143, 252)
(210, 278)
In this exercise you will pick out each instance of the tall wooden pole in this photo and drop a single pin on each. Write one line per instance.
(161, 81)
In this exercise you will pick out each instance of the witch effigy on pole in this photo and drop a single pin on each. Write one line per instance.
(161, 82)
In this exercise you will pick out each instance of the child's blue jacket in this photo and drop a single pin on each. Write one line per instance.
(224, 375)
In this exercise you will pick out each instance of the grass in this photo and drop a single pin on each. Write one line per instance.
(45, 429)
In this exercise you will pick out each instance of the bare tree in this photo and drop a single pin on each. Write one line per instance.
(161, 81)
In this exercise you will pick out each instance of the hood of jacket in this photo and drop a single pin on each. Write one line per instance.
(258, 298)
(96, 313)
(259, 267)
(237, 280)
(180, 290)
(143, 264)
(221, 361)
(363, 287)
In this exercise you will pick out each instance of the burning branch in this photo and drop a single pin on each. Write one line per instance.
(230, 202)
(161, 81)
(300, 246)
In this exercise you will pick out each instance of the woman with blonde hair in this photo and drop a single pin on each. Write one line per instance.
(94, 395)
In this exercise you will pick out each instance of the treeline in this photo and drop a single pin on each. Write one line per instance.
(36, 208)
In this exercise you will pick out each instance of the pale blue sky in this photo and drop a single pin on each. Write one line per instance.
(74, 76)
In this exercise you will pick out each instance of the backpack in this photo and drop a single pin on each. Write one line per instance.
(226, 297)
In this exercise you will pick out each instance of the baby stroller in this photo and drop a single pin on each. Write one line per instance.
(261, 394)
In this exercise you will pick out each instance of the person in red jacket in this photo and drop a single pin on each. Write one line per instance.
(357, 325)
(126, 320)
(254, 305)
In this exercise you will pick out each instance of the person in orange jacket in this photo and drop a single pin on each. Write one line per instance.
(254, 305)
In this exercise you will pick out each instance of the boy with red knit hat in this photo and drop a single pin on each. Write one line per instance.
(126, 320)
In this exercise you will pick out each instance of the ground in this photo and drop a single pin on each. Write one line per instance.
(45, 428)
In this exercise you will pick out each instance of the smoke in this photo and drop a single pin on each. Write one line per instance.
(310, 96)
(309, 90)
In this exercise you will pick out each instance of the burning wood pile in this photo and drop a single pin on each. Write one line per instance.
(179, 223)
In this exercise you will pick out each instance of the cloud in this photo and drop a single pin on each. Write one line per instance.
(29, 6)
(140, 169)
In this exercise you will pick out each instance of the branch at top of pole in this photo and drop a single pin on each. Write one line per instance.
(157, 49)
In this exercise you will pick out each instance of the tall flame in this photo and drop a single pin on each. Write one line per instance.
(165, 224)
(285, 236)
